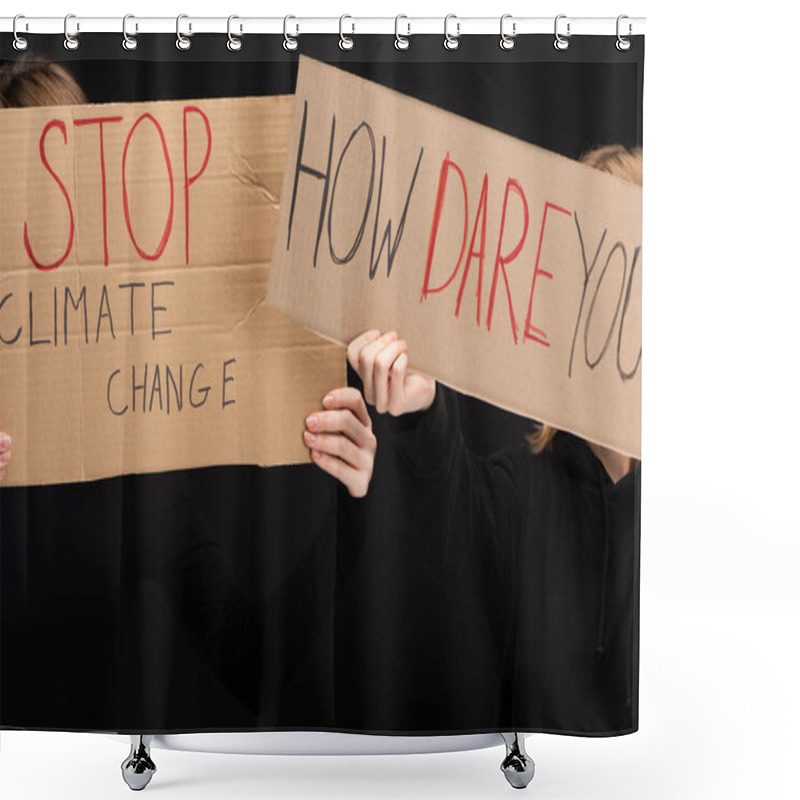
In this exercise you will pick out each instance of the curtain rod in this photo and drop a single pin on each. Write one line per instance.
(294, 25)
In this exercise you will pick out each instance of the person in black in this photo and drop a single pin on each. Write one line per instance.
(549, 529)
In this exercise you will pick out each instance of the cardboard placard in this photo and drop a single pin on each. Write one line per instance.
(513, 273)
(135, 241)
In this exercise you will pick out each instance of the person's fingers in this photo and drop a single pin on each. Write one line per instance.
(357, 345)
(420, 391)
(348, 397)
(5, 453)
(380, 375)
(366, 363)
(354, 480)
(339, 445)
(341, 420)
(397, 395)
(341, 439)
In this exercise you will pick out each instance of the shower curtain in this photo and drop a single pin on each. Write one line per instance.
(198, 246)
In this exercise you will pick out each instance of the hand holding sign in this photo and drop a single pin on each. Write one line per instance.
(381, 363)
(5, 453)
(341, 439)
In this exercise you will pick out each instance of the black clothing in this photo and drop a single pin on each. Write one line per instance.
(169, 602)
(550, 545)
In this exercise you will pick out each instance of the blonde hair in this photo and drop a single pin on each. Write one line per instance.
(622, 163)
(32, 81)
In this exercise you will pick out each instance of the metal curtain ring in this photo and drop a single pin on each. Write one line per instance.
(20, 42)
(561, 43)
(623, 43)
(234, 42)
(451, 42)
(401, 42)
(289, 42)
(71, 42)
(129, 42)
(182, 42)
(507, 42)
(346, 42)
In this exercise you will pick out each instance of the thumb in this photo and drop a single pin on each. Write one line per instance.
(420, 391)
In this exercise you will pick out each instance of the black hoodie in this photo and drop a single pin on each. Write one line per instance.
(551, 545)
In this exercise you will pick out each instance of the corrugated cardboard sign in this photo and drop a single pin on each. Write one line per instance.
(134, 252)
(513, 273)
